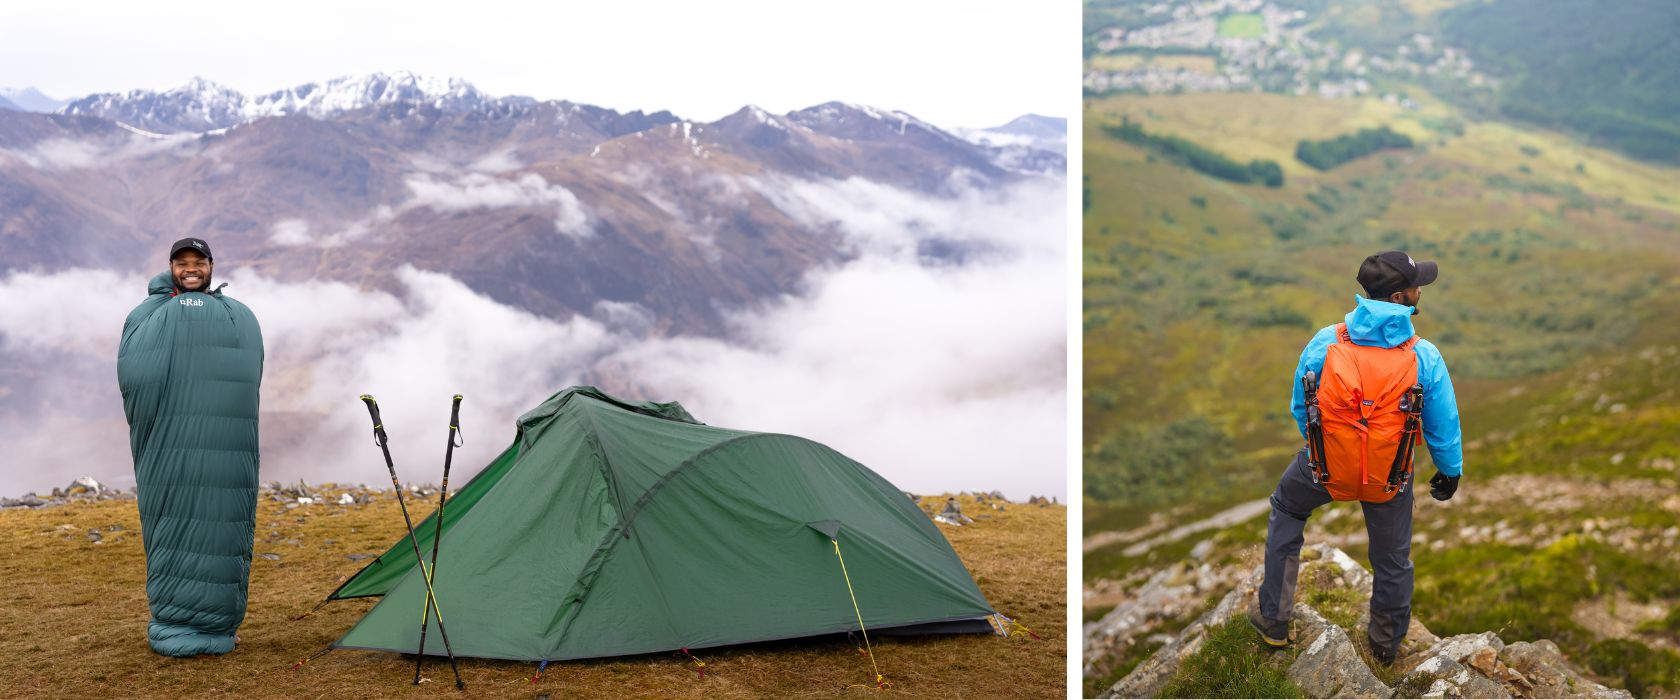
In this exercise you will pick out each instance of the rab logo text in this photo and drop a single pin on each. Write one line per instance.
(191, 302)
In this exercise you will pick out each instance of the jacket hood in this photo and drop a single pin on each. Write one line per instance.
(1379, 323)
(164, 283)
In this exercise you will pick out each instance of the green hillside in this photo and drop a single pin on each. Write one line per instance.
(1553, 311)
(1603, 69)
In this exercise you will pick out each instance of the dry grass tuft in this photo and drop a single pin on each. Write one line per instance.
(76, 620)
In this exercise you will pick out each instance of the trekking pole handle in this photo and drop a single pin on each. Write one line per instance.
(378, 423)
(455, 423)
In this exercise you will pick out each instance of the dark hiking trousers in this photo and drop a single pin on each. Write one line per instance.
(1389, 526)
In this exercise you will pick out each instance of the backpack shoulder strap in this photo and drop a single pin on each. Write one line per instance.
(1409, 344)
(1342, 334)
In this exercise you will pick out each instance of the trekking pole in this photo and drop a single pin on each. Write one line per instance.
(380, 438)
(1315, 429)
(1411, 404)
(437, 536)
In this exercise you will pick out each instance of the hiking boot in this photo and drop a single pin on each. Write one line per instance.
(1274, 632)
(1383, 656)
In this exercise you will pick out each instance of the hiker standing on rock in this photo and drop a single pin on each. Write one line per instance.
(1366, 390)
(190, 368)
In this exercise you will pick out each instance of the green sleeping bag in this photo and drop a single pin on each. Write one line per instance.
(190, 366)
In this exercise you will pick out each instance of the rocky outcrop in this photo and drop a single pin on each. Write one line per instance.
(82, 489)
(1329, 665)
(1328, 660)
(1169, 594)
(1147, 680)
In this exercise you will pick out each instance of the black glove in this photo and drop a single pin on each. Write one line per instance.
(1442, 487)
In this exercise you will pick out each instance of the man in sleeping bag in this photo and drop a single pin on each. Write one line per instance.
(190, 365)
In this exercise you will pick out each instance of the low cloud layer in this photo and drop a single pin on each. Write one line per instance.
(939, 374)
(61, 154)
(479, 191)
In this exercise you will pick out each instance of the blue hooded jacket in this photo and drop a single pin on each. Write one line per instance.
(1383, 324)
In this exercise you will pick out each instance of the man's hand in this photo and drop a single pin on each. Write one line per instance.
(1442, 487)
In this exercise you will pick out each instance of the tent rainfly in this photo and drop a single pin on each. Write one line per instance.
(612, 527)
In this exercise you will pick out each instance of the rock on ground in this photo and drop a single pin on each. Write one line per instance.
(1328, 663)
(1147, 680)
(1544, 666)
(1329, 666)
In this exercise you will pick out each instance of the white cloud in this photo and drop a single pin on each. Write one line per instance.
(498, 162)
(61, 154)
(481, 191)
(291, 232)
(297, 232)
(66, 312)
(938, 376)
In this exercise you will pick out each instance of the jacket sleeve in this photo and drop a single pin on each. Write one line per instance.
(1312, 359)
(1440, 411)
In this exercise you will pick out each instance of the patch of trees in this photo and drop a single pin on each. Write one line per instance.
(1328, 154)
(1199, 158)
(1604, 70)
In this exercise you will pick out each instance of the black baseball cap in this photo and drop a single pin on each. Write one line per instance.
(197, 244)
(1391, 271)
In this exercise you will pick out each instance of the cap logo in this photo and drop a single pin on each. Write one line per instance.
(1410, 261)
(200, 246)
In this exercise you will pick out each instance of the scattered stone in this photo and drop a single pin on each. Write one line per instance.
(270, 557)
(952, 515)
(1201, 550)
(94, 536)
(358, 557)
(82, 485)
(345, 499)
(1170, 593)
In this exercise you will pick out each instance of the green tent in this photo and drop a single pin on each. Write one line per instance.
(612, 527)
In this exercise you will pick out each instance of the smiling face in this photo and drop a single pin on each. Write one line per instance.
(191, 271)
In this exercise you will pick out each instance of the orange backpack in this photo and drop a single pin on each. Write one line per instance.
(1368, 407)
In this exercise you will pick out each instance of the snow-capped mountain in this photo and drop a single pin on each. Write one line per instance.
(28, 100)
(1037, 131)
(349, 93)
(1030, 143)
(203, 105)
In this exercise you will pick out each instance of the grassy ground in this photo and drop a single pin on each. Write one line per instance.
(1233, 663)
(1242, 26)
(76, 623)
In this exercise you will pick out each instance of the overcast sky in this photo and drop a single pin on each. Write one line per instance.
(952, 62)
